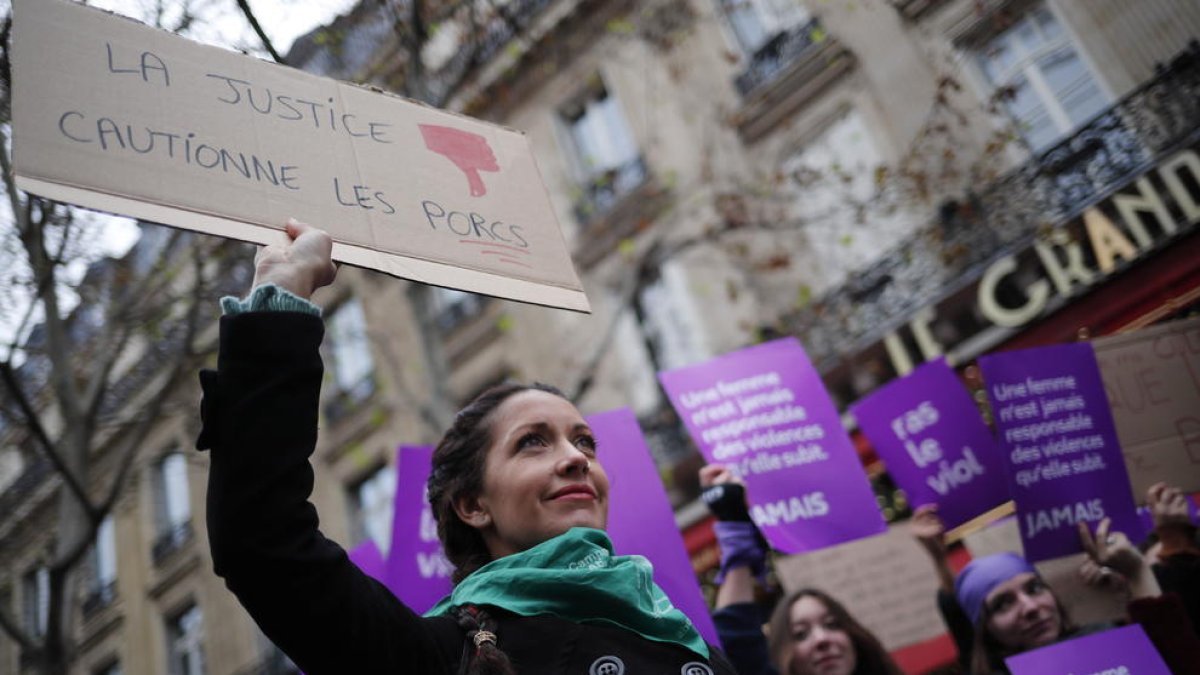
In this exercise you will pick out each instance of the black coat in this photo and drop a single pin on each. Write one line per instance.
(260, 421)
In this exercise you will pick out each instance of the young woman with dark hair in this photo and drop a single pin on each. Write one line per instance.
(517, 488)
(813, 634)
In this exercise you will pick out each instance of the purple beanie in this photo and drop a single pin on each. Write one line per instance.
(981, 575)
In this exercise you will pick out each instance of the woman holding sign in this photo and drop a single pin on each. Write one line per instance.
(810, 632)
(516, 486)
(1014, 611)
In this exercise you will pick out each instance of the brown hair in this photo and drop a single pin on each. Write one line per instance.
(457, 471)
(987, 655)
(872, 658)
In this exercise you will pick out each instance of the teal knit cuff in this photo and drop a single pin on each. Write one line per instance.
(268, 298)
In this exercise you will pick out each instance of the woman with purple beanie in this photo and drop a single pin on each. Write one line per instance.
(1013, 610)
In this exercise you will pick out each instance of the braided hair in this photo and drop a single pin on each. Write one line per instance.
(481, 655)
(458, 467)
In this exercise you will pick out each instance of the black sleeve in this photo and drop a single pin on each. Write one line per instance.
(740, 628)
(959, 624)
(260, 420)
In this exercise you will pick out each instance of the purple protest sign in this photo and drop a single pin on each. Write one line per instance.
(930, 434)
(764, 413)
(417, 571)
(1056, 434)
(368, 558)
(640, 518)
(1121, 651)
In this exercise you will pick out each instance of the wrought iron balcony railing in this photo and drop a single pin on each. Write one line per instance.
(1054, 187)
(607, 189)
(99, 597)
(170, 541)
(786, 48)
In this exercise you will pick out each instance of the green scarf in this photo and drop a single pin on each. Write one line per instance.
(575, 576)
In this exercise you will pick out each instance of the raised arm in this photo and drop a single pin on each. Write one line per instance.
(260, 414)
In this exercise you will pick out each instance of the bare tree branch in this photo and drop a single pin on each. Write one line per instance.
(258, 30)
(134, 440)
(39, 432)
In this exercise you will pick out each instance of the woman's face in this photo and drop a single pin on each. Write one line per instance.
(541, 477)
(820, 644)
(1022, 613)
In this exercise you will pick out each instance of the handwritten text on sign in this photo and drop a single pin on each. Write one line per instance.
(114, 115)
(1152, 377)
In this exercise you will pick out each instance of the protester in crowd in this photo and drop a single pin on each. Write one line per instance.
(810, 632)
(520, 498)
(1013, 610)
(929, 530)
(1175, 554)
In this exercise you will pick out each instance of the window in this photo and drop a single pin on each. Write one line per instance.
(837, 168)
(371, 501)
(35, 596)
(605, 158)
(185, 642)
(1051, 91)
(755, 22)
(450, 308)
(103, 568)
(173, 505)
(671, 320)
(350, 353)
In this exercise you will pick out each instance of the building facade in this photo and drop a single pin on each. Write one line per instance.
(888, 180)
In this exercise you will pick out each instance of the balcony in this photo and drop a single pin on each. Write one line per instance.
(603, 193)
(913, 10)
(1114, 148)
(171, 541)
(785, 74)
(98, 598)
(615, 207)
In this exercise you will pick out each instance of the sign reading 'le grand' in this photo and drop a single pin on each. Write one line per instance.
(1142, 217)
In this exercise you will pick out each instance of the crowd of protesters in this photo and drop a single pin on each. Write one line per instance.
(521, 503)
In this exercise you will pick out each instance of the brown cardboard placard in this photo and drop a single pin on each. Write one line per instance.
(1152, 377)
(114, 115)
(887, 582)
(1084, 604)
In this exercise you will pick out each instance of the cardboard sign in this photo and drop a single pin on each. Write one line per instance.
(640, 518)
(1084, 604)
(113, 115)
(930, 434)
(1057, 436)
(1152, 377)
(764, 413)
(417, 570)
(887, 582)
(1121, 651)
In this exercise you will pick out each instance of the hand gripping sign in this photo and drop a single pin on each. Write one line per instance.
(114, 115)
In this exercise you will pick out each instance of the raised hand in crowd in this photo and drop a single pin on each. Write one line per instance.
(1113, 550)
(929, 530)
(1172, 520)
(301, 264)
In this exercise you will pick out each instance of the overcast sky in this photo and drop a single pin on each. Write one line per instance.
(219, 22)
(222, 22)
